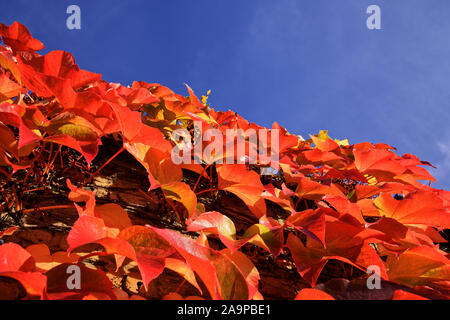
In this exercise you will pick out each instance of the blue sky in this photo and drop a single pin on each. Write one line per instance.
(308, 64)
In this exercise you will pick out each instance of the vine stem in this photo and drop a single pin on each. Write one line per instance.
(154, 202)
(174, 209)
(207, 190)
(5, 173)
(210, 176)
(181, 284)
(200, 176)
(147, 196)
(50, 164)
(296, 203)
(48, 208)
(103, 165)
(30, 170)
(97, 253)
(50, 152)
(31, 190)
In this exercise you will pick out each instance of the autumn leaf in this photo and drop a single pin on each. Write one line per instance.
(181, 192)
(92, 282)
(217, 271)
(46, 261)
(18, 264)
(245, 185)
(19, 38)
(322, 199)
(219, 224)
(415, 208)
(344, 242)
(8, 88)
(312, 294)
(421, 265)
(309, 222)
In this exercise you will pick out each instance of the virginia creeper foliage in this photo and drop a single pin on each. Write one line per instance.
(331, 211)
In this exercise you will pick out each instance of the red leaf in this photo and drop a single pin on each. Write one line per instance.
(88, 149)
(344, 242)
(346, 209)
(244, 184)
(218, 272)
(309, 222)
(11, 114)
(404, 295)
(415, 208)
(92, 281)
(41, 74)
(18, 264)
(19, 38)
(219, 224)
(377, 162)
(8, 88)
(181, 192)
(151, 251)
(313, 294)
(247, 269)
(310, 189)
(419, 266)
(88, 229)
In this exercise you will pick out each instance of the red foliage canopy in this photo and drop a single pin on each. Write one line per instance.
(359, 204)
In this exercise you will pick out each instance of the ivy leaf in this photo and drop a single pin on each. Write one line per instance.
(181, 192)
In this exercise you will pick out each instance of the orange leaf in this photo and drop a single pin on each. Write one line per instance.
(418, 266)
(218, 272)
(404, 295)
(19, 38)
(415, 208)
(313, 294)
(18, 264)
(181, 192)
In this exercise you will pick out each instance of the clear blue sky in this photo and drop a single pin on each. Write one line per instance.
(308, 64)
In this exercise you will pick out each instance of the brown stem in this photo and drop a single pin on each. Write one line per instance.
(5, 173)
(174, 209)
(99, 169)
(31, 169)
(210, 176)
(200, 176)
(97, 253)
(31, 190)
(16, 198)
(207, 190)
(50, 152)
(181, 284)
(52, 161)
(296, 203)
(48, 208)
(147, 196)
(61, 160)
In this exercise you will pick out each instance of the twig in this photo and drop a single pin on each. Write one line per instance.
(174, 209)
(207, 190)
(147, 196)
(181, 284)
(200, 176)
(5, 173)
(48, 208)
(99, 169)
